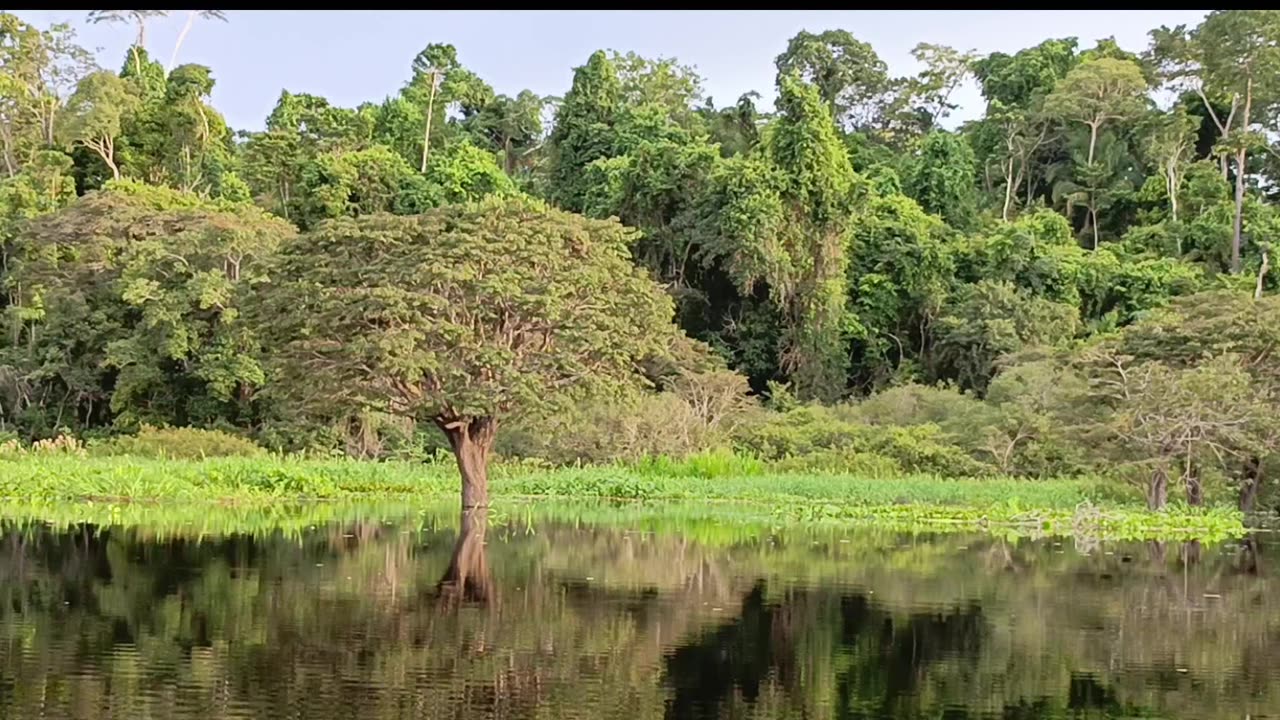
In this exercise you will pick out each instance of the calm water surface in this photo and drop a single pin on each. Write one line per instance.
(552, 616)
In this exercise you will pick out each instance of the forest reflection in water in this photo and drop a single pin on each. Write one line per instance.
(438, 616)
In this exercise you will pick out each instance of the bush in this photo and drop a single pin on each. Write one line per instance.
(819, 435)
(178, 443)
(696, 413)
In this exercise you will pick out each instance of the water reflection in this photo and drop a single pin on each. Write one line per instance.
(468, 617)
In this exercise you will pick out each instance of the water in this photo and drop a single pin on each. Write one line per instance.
(552, 616)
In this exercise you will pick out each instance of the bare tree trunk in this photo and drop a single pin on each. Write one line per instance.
(1009, 190)
(1242, 157)
(467, 579)
(191, 18)
(9, 161)
(426, 136)
(1171, 180)
(471, 440)
(1158, 489)
(1093, 141)
(1093, 221)
(1262, 274)
(1237, 224)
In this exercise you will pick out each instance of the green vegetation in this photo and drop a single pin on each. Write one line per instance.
(69, 484)
(1077, 285)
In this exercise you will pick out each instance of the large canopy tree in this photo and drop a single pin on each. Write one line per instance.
(460, 316)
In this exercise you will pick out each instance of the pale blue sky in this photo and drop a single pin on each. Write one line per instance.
(351, 56)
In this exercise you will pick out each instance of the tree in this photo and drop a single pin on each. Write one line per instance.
(131, 302)
(849, 75)
(461, 316)
(584, 128)
(1168, 142)
(1094, 93)
(1213, 325)
(900, 270)
(663, 82)
(945, 68)
(38, 69)
(780, 218)
(96, 113)
(1232, 58)
(138, 17)
(942, 179)
(990, 321)
(1018, 80)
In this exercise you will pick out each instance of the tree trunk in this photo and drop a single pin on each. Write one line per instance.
(467, 579)
(1242, 157)
(471, 439)
(1237, 224)
(186, 28)
(1158, 489)
(1250, 483)
(1262, 274)
(1093, 141)
(1195, 488)
(1009, 190)
(431, 109)
(1172, 184)
(1093, 221)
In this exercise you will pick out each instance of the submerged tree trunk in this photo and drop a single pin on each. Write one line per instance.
(467, 578)
(1249, 484)
(471, 440)
(1158, 489)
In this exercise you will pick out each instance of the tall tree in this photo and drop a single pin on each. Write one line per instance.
(1168, 142)
(584, 128)
(461, 316)
(1097, 92)
(96, 113)
(850, 77)
(781, 218)
(1232, 58)
(38, 69)
(138, 18)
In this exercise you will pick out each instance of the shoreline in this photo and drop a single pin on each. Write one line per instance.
(128, 490)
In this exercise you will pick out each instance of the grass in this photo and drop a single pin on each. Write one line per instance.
(124, 486)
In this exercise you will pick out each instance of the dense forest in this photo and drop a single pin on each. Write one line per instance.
(1077, 282)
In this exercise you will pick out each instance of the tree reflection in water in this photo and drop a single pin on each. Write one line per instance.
(549, 618)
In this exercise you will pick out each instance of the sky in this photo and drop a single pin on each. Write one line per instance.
(351, 56)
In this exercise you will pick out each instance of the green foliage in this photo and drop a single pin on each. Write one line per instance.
(841, 246)
(463, 312)
(992, 320)
(847, 72)
(583, 126)
(901, 269)
(130, 305)
(942, 179)
(177, 444)
(1018, 80)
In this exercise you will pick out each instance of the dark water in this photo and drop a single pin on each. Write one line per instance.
(559, 618)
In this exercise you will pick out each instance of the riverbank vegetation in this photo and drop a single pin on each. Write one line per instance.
(1076, 285)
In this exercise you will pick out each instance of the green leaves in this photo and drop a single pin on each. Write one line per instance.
(466, 311)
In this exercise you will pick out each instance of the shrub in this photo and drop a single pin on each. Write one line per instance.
(697, 412)
(178, 443)
(819, 432)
